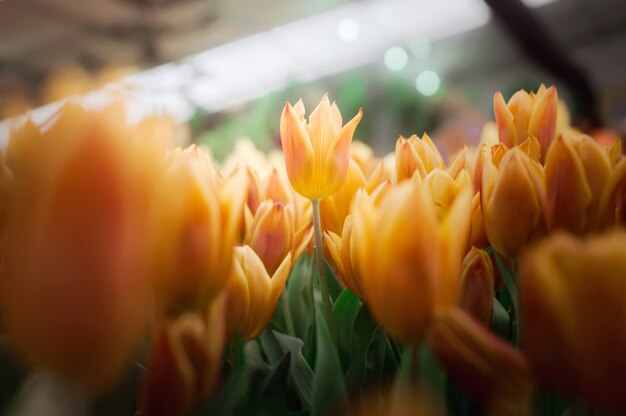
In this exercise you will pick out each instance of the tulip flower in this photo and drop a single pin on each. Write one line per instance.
(271, 234)
(577, 170)
(412, 259)
(251, 295)
(478, 238)
(612, 207)
(485, 367)
(573, 316)
(444, 189)
(185, 362)
(416, 155)
(317, 153)
(476, 288)
(340, 250)
(527, 115)
(198, 219)
(77, 287)
(513, 201)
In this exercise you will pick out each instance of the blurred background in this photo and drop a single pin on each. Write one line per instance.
(222, 69)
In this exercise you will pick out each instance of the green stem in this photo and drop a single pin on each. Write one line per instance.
(319, 255)
(287, 314)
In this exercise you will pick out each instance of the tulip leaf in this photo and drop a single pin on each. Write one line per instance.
(511, 287)
(329, 390)
(431, 371)
(364, 329)
(334, 287)
(271, 347)
(278, 373)
(300, 373)
(500, 321)
(345, 311)
(300, 298)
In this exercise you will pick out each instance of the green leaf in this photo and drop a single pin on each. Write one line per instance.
(500, 321)
(329, 390)
(334, 287)
(430, 369)
(277, 376)
(300, 291)
(364, 329)
(300, 373)
(271, 347)
(511, 287)
(345, 311)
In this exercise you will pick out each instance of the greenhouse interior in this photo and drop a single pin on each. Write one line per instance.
(332, 207)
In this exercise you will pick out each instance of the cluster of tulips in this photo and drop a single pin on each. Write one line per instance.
(507, 264)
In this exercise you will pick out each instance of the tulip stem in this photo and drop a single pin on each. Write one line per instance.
(287, 314)
(321, 269)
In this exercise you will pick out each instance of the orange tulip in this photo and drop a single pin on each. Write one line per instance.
(612, 207)
(486, 367)
(444, 189)
(577, 170)
(198, 218)
(477, 285)
(513, 201)
(412, 259)
(252, 294)
(416, 155)
(527, 115)
(340, 250)
(77, 285)
(317, 153)
(184, 363)
(573, 316)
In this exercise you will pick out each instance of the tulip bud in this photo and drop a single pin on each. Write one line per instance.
(77, 285)
(485, 367)
(317, 153)
(416, 155)
(573, 316)
(577, 170)
(412, 259)
(185, 361)
(476, 288)
(478, 238)
(252, 294)
(527, 115)
(198, 229)
(270, 233)
(513, 201)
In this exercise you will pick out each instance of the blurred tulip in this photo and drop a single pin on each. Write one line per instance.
(77, 287)
(317, 153)
(417, 400)
(335, 208)
(66, 81)
(527, 115)
(412, 260)
(476, 288)
(484, 366)
(252, 294)
(363, 155)
(612, 208)
(513, 201)
(416, 155)
(573, 316)
(185, 362)
(198, 218)
(577, 170)
(444, 189)
(478, 238)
